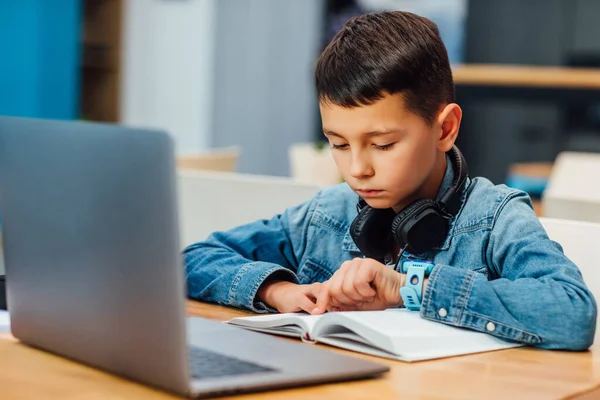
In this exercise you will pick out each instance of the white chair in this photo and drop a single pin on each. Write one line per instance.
(581, 243)
(211, 201)
(572, 191)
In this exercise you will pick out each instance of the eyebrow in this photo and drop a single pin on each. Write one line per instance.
(371, 134)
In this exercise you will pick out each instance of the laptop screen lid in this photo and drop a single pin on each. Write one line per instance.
(89, 222)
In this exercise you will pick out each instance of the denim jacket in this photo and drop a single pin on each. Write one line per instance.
(496, 272)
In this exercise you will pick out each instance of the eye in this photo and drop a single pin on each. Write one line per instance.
(339, 146)
(384, 147)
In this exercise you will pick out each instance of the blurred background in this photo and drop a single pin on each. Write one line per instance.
(231, 80)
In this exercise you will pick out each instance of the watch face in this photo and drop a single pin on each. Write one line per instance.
(414, 280)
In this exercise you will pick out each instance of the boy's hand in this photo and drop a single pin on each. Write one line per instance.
(360, 284)
(289, 297)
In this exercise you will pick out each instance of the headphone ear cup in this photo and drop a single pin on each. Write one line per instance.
(370, 231)
(406, 215)
(420, 226)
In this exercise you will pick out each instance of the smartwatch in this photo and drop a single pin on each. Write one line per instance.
(412, 292)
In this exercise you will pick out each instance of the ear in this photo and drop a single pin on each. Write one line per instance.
(449, 122)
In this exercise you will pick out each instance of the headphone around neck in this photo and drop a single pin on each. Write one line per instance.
(419, 227)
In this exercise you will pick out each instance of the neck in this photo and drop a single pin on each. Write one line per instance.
(430, 188)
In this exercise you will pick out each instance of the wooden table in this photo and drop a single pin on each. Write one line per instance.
(521, 373)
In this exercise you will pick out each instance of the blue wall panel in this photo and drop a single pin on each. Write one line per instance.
(39, 58)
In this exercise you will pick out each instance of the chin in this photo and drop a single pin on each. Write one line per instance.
(380, 203)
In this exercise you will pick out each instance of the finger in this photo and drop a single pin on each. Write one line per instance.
(323, 299)
(367, 274)
(362, 281)
(336, 287)
(350, 308)
(306, 304)
(312, 291)
(348, 286)
(334, 303)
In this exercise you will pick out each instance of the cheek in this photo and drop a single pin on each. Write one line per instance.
(420, 152)
(341, 160)
(402, 175)
(409, 167)
(340, 164)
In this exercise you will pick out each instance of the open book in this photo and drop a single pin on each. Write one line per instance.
(395, 333)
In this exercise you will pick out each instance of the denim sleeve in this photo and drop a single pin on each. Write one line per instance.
(229, 267)
(537, 295)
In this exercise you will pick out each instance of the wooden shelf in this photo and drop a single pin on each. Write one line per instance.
(101, 60)
(527, 76)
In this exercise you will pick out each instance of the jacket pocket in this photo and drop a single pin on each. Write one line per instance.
(311, 272)
(483, 270)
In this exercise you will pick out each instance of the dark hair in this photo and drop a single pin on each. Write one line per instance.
(386, 53)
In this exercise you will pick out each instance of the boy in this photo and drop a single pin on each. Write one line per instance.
(476, 254)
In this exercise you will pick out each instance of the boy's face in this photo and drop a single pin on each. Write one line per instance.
(390, 156)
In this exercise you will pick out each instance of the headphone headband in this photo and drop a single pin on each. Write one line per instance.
(449, 202)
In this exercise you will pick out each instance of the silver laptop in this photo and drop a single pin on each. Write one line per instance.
(94, 272)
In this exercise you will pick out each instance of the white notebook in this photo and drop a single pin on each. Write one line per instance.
(395, 333)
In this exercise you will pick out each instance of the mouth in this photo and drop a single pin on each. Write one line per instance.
(369, 193)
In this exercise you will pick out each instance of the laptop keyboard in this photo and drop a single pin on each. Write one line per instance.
(205, 364)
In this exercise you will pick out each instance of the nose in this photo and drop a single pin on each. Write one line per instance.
(361, 166)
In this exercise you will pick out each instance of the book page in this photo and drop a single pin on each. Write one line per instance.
(278, 322)
(407, 335)
(383, 324)
(353, 342)
(401, 323)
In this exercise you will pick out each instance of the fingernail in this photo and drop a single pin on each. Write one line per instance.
(316, 310)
